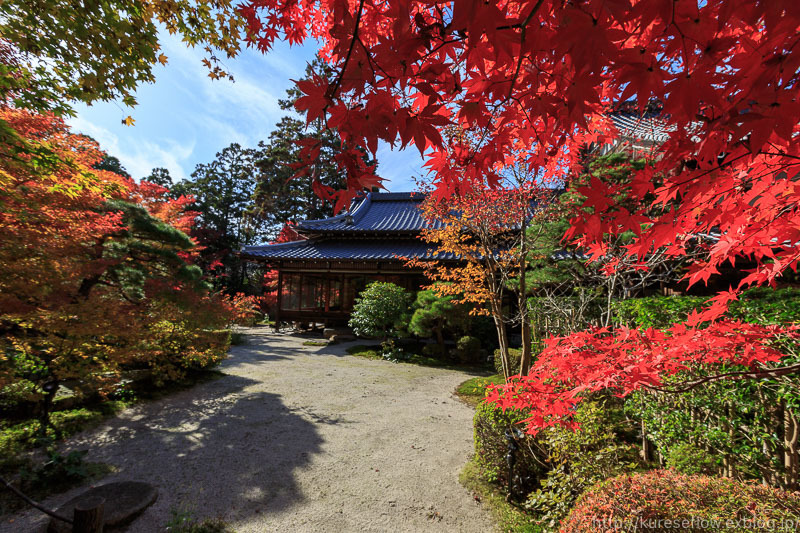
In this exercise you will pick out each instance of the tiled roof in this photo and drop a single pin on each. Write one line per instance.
(326, 249)
(393, 212)
(649, 127)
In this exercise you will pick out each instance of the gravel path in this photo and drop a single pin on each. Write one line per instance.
(297, 438)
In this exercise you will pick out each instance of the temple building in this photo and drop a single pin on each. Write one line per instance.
(320, 275)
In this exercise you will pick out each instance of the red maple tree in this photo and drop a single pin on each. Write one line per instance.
(532, 82)
(95, 272)
(534, 79)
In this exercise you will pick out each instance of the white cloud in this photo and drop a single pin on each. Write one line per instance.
(244, 98)
(184, 118)
(139, 157)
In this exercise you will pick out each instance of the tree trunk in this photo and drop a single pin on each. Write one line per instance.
(502, 338)
(609, 299)
(730, 460)
(46, 407)
(88, 516)
(440, 334)
(525, 361)
(647, 447)
(790, 436)
(772, 453)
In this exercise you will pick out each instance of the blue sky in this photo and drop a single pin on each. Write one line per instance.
(185, 118)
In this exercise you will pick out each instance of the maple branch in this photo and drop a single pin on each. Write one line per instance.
(524, 28)
(338, 81)
(747, 374)
(439, 46)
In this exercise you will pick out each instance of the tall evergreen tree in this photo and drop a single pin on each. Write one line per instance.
(279, 196)
(223, 191)
(160, 176)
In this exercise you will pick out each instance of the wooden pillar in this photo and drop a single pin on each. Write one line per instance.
(88, 516)
(327, 293)
(280, 300)
(301, 281)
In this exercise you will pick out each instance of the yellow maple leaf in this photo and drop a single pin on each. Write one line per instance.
(162, 59)
(128, 121)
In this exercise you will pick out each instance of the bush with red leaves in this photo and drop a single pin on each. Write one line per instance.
(664, 500)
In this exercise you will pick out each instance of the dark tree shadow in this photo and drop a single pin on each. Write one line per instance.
(216, 450)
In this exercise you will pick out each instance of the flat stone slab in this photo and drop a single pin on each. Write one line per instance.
(124, 501)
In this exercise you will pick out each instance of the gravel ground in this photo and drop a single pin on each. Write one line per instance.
(297, 438)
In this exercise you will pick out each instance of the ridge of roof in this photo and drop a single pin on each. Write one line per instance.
(397, 196)
(374, 212)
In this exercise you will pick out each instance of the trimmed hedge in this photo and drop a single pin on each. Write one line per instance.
(759, 306)
(726, 422)
(664, 500)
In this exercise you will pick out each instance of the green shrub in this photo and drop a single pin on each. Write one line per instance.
(58, 469)
(733, 419)
(691, 503)
(687, 458)
(434, 350)
(381, 310)
(468, 349)
(491, 446)
(759, 306)
(483, 328)
(436, 315)
(580, 458)
(176, 347)
(515, 358)
(391, 352)
(763, 305)
(18, 393)
(655, 311)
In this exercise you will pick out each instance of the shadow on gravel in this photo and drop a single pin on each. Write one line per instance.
(259, 347)
(219, 449)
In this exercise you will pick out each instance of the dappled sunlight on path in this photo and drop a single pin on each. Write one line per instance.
(298, 438)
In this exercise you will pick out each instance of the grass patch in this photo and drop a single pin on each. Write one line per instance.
(185, 522)
(374, 352)
(41, 488)
(238, 339)
(370, 352)
(473, 391)
(423, 360)
(509, 518)
(315, 343)
(20, 435)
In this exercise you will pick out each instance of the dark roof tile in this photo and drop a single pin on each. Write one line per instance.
(649, 128)
(395, 212)
(341, 249)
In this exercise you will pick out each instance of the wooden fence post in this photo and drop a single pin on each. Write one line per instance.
(88, 516)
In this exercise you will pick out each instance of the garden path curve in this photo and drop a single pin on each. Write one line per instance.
(297, 438)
